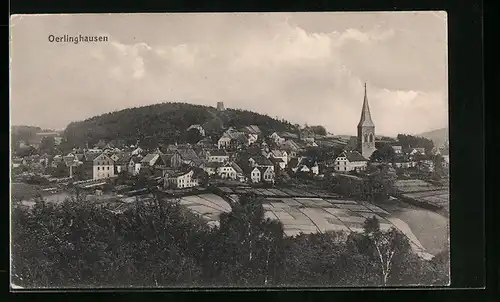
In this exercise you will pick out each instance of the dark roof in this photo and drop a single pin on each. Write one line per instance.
(262, 161)
(262, 169)
(351, 143)
(180, 173)
(91, 156)
(205, 141)
(165, 158)
(241, 137)
(218, 153)
(252, 129)
(236, 168)
(294, 162)
(288, 135)
(308, 162)
(148, 158)
(135, 159)
(277, 153)
(188, 154)
(275, 160)
(213, 165)
(123, 157)
(354, 156)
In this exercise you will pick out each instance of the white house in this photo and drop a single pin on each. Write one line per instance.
(279, 154)
(224, 141)
(304, 164)
(134, 166)
(416, 151)
(277, 138)
(181, 180)
(230, 171)
(103, 167)
(252, 138)
(211, 168)
(260, 161)
(150, 159)
(278, 162)
(397, 149)
(350, 161)
(255, 175)
(267, 174)
(137, 151)
(197, 127)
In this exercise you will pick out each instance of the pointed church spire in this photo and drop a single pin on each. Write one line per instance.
(366, 117)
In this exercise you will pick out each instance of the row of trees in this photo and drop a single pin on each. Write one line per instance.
(160, 243)
(409, 141)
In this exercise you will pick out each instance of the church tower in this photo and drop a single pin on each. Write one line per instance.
(366, 131)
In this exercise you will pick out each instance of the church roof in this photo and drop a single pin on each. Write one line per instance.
(366, 117)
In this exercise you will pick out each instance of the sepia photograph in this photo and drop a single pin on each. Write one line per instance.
(229, 150)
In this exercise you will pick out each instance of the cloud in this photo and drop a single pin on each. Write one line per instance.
(271, 63)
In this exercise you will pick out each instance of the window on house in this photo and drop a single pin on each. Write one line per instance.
(98, 168)
(108, 168)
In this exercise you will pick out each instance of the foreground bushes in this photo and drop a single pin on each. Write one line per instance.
(162, 244)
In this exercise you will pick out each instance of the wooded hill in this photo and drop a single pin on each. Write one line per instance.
(165, 123)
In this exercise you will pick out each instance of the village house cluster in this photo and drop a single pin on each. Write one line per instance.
(244, 155)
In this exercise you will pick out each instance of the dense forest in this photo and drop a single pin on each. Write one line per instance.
(161, 244)
(164, 123)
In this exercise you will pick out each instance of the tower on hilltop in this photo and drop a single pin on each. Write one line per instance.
(366, 131)
(220, 106)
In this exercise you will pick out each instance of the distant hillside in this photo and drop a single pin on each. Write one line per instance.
(24, 133)
(164, 123)
(438, 136)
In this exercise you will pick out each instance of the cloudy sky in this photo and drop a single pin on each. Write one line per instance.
(304, 67)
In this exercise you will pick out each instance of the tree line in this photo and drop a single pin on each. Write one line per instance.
(164, 123)
(160, 243)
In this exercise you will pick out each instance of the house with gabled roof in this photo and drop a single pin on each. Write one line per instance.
(288, 135)
(211, 168)
(254, 175)
(134, 166)
(279, 164)
(309, 165)
(181, 180)
(232, 139)
(292, 147)
(150, 159)
(137, 151)
(350, 161)
(122, 161)
(205, 143)
(278, 154)
(187, 156)
(103, 167)
(397, 149)
(277, 138)
(267, 174)
(230, 171)
(219, 156)
(260, 161)
(197, 127)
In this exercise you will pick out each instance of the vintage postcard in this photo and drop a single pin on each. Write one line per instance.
(229, 150)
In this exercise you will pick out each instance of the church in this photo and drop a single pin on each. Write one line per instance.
(366, 131)
(350, 160)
